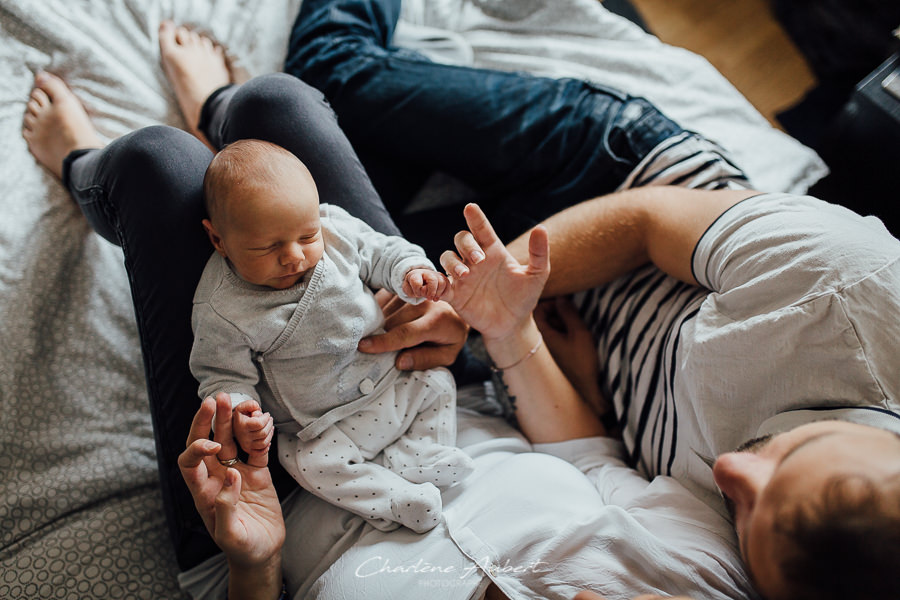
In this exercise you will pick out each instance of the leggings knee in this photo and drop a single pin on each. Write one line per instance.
(159, 172)
(263, 107)
(157, 153)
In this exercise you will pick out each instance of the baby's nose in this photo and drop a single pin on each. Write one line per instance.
(293, 253)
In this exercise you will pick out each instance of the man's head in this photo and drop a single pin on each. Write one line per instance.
(263, 210)
(817, 511)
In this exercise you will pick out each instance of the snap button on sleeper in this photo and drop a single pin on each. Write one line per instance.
(366, 386)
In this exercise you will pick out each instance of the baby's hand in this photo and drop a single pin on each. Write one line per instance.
(425, 283)
(252, 428)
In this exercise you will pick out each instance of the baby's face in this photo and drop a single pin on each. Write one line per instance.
(273, 236)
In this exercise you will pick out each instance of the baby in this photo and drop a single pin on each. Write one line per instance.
(278, 314)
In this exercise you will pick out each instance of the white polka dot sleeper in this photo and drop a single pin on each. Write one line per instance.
(409, 429)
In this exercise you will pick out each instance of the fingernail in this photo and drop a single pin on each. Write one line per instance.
(477, 256)
(365, 344)
(405, 362)
(461, 270)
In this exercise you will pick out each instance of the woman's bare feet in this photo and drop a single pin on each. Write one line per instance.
(56, 123)
(195, 66)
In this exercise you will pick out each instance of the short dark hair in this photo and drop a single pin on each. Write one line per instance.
(844, 545)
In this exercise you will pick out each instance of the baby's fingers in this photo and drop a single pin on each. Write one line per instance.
(415, 279)
(434, 282)
(247, 407)
(260, 420)
(442, 286)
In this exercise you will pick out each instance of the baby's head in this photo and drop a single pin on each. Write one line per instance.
(263, 212)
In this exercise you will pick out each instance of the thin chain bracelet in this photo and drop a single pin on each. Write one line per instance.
(531, 353)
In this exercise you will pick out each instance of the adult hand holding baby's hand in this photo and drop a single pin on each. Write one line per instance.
(238, 503)
(425, 335)
(425, 283)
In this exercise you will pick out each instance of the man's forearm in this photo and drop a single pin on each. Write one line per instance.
(599, 240)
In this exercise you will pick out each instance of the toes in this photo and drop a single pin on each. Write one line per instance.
(186, 37)
(182, 36)
(32, 109)
(39, 99)
(166, 35)
(51, 86)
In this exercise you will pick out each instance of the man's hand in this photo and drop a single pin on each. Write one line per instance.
(238, 503)
(573, 348)
(429, 334)
(425, 283)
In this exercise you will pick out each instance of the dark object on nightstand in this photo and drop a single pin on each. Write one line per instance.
(862, 149)
(842, 41)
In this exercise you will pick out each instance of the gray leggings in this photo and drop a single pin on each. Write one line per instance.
(144, 193)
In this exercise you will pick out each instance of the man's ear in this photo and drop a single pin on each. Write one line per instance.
(214, 237)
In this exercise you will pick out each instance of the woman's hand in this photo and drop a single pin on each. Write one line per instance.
(490, 289)
(238, 503)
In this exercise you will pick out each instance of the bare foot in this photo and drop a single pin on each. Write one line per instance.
(56, 123)
(195, 66)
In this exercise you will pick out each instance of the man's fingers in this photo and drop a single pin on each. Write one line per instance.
(396, 338)
(433, 322)
(479, 225)
(566, 311)
(383, 296)
(426, 357)
(392, 306)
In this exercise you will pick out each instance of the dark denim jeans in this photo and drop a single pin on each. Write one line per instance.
(528, 145)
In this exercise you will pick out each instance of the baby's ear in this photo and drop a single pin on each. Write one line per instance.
(214, 237)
